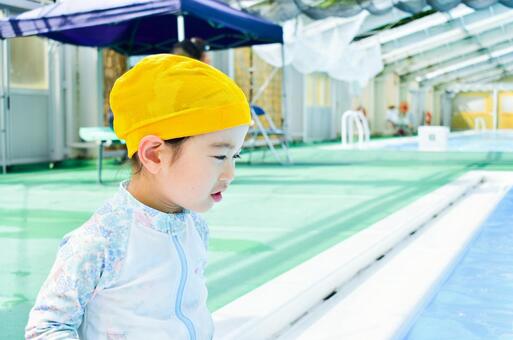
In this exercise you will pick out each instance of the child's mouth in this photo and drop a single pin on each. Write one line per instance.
(217, 197)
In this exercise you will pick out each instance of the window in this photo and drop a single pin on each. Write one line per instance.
(29, 63)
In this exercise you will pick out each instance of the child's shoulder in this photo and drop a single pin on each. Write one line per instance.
(107, 227)
(101, 241)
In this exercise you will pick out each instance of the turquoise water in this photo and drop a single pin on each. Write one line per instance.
(476, 301)
(499, 141)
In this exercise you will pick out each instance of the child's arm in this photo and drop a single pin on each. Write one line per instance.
(60, 305)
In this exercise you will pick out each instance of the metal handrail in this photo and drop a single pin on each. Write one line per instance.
(479, 124)
(349, 120)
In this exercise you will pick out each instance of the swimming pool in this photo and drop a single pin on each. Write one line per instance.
(468, 141)
(476, 300)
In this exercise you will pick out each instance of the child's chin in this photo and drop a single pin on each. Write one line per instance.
(201, 208)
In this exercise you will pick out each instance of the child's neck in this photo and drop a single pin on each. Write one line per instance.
(145, 192)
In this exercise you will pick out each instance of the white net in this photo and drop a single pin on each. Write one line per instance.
(325, 46)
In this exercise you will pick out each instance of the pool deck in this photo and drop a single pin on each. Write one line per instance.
(272, 219)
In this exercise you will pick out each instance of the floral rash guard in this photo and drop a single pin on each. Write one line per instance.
(130, 272)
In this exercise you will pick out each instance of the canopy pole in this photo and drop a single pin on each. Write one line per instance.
(181, 27)
(100, 75)
(284, 113)
(251, 83)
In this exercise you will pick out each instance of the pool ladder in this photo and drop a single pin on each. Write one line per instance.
(479, 124)
(350, 119)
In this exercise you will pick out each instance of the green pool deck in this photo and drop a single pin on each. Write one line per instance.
(272, 218)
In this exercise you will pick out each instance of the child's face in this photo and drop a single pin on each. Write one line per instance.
(204, 168)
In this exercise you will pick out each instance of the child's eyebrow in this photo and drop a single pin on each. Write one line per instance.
(223, 145)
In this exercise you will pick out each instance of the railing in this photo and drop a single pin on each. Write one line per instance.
(350, 119)
(479, 124)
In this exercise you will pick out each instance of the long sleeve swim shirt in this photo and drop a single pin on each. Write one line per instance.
(130, 272)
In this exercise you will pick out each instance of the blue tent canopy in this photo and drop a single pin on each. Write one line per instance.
(136, 27)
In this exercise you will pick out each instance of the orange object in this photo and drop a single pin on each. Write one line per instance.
(403, 107)
(428, 118)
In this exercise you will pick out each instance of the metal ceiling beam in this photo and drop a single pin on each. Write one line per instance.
(457, 76)
(486, 77)
(455, 88)
(443, 82)
(22, 4)
(490, 79)
(452, 63)
(478, 77)
(470, 70)
(452, 87)
(472, 77)
(373, 22)
(453, 50)
(418, 25)
(493, 58)
(471, 24)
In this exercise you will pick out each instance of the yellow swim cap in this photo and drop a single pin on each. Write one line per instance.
(172, 96)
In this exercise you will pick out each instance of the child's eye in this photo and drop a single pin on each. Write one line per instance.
(222, 158)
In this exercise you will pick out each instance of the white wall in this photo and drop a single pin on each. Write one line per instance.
(386, 92)
(223, 61)
(56, 90)
(89, 85)
(294, 83)
(83, 94)
(431, 106)
(366, 99)
(342, 101)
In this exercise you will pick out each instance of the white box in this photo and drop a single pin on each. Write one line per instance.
(433, 138)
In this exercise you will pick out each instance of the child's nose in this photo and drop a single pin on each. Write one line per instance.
(228, 172)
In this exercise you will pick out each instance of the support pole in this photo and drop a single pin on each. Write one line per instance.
(495, 109)
(5, 103)
(100, 161)
(181, 27)
(284, 113)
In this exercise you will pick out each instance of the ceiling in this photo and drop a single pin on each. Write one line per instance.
(433, 42)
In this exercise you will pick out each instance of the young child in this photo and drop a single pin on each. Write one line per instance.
(134, 270)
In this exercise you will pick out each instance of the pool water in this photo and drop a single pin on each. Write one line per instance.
(495, 141)
(476, 300)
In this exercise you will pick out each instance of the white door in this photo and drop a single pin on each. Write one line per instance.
(28, 114)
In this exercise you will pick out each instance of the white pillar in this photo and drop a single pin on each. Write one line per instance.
(284, 113)
(5, 102)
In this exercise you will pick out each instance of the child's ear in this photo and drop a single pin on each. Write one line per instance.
(150, 153)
